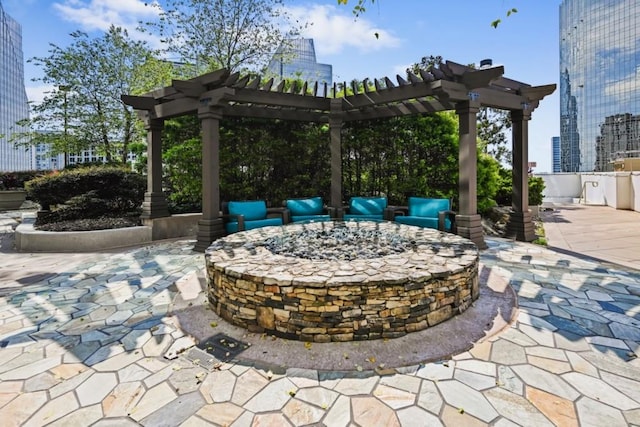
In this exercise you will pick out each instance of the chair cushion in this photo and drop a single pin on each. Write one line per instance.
(367, 206)
(418, 221)
(309, 218)
(262, 223)
(252, 210)
(363, 217)
(305, 207)
(232, 226)
(420, 206)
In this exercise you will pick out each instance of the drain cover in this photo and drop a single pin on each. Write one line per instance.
(201, 358)
(222, 347)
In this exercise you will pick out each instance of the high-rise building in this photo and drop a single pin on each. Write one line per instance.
(14, 105)
(599, 82)
(296, 59)
(555, 157)
(43, 160)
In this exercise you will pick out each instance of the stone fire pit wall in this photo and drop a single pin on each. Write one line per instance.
(320, 300)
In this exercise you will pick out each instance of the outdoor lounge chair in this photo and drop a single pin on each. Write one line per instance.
(366, 209)
(250, 214)
(310, 209)
(426, 212)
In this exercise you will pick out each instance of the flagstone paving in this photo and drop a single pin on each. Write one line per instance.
(87, 346)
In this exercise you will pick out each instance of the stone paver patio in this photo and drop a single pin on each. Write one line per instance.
(87, 346)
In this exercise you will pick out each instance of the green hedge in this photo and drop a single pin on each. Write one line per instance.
(87, 193)
(504, 195)
(16, 180)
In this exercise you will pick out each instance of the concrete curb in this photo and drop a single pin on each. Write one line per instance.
(27, 239)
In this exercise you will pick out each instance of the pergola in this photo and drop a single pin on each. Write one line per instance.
(450, 86)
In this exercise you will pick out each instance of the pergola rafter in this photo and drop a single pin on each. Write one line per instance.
(450, 86)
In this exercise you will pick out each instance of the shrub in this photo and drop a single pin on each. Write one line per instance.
(505, 191)
(488, 177)
(505, 188)
(536, 187)
(85, 193)
(16, 180)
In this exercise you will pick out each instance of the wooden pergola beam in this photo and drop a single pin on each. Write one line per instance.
(536, 93)
(139, 102)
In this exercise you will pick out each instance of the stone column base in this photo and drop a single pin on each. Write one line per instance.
(470, 227)
(154, 206)
(208, 231)
(520, 227)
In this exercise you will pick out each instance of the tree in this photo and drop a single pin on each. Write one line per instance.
(84, 110)
(401, 157)
(211, 34)
(492, 125)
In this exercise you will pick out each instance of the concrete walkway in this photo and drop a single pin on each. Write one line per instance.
(91, 339)
(600, 232)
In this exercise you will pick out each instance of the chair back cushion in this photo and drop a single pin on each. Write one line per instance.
(367, 205)
(305, 207)
(252, 210)
(420, 206)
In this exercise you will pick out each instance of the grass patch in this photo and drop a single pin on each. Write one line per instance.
(539, 230)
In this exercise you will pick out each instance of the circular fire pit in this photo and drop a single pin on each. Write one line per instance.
(341, 281)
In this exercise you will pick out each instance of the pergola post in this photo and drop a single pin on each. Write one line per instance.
(155, 202)
(211, 226)
(335, 133)
(468, 221)
(520, 225)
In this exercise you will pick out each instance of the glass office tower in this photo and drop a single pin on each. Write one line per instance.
(555, 157)
(296, 59)
(599, 83)
(13, 98)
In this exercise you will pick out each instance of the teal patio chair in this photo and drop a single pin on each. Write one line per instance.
(250, 214)
(309, 209)
(366, 209)
(427, 212)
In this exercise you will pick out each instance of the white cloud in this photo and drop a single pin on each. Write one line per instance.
(335, 31)
(101, 14)
(36, 94)
(623, 90)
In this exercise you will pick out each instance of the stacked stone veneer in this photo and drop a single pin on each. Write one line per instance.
(322, 301)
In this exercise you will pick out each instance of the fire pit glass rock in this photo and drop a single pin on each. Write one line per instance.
(341, 281)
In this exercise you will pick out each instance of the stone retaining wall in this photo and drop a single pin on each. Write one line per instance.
(322, 301)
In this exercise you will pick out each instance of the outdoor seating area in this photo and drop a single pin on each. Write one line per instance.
(421, 212)
(450, 86)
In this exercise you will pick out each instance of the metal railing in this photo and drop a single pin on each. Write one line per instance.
(583, 193)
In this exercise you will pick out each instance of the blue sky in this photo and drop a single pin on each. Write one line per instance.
(526, 43)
